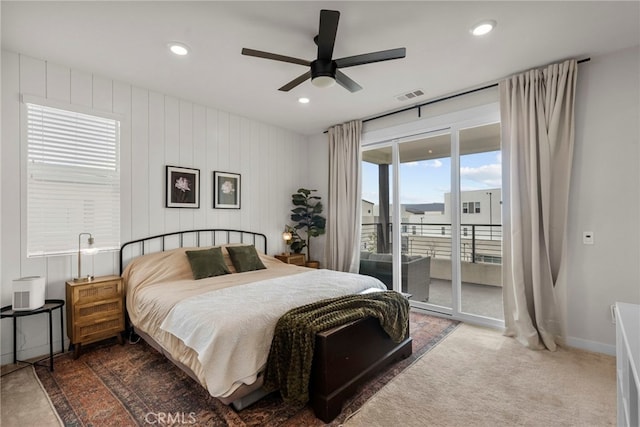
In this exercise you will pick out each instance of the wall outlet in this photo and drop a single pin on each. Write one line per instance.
(612, 307)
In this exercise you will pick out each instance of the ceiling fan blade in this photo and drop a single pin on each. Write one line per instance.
(275, 57)
(346, 82)
(367, 58)
(295, 82)
(327, 33)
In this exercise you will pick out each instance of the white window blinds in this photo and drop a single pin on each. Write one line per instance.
(73, 186)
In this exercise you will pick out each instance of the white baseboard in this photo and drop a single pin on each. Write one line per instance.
(596, 347)
(33, 352)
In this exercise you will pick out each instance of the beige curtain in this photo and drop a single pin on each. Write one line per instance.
(343, 216)
(537, 114)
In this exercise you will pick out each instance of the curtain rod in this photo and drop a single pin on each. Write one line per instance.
(433, 101)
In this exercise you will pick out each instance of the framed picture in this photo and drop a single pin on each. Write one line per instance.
(226, 190)
(183, 187)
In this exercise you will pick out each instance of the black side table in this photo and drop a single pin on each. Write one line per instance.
(48, 307)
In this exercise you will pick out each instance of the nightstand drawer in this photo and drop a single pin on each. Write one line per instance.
(98, 291)
(98, 329)
(97, 309)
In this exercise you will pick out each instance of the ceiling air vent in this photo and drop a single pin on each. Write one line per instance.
(405, 96)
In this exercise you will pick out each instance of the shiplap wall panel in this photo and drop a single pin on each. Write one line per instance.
(139, 158)
(81, 88)
(248, 192)
(211, 136)
(275, 180)
(58, 82)
(32, 76)
(288, 182)
(234, 165)
(156, 164)
(172, 153)
(102, 94)
(265, 182)
(156, 130)
(10, 170)
(223, 159)
(185, 138)
(199, 135)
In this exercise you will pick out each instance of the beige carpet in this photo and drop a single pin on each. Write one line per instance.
(477, 377)
(24, 402)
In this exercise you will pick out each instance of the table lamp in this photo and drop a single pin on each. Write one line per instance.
(287, 236)
(89, 250)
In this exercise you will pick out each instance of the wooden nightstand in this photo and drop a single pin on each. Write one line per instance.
(95, 311)
(295, 259)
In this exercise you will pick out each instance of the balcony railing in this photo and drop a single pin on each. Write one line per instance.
(479, 243)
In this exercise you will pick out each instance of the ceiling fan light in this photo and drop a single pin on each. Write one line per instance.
(323, 81)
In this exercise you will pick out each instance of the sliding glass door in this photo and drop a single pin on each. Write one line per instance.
(376, 242)
(481, 221)
(425, 187)
(431, 218)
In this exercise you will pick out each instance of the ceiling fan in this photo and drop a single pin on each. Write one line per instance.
(325, 71)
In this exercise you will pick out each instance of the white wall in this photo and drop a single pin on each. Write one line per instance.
(605, 198)
(157, 130)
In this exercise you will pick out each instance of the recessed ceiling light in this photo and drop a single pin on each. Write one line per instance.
(303, 100)
(482, 28)
(179, 48)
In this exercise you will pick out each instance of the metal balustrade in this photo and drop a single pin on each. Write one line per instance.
(479, 243)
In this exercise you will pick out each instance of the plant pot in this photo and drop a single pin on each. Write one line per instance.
(313, 264)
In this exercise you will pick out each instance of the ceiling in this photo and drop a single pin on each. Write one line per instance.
(127, 41)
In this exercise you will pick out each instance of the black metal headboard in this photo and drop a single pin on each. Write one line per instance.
(190, 238)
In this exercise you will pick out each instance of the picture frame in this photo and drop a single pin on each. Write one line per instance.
(226, 190)
(182, 187)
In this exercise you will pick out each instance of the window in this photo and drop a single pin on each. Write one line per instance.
(73, 180)
(470, 207)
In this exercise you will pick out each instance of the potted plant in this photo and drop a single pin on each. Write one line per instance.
(307, 216)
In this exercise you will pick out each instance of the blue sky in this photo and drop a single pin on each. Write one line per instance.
(427, 181)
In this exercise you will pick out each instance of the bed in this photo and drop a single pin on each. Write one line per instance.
(219, 329)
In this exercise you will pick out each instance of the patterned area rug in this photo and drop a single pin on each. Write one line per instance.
(133, 385)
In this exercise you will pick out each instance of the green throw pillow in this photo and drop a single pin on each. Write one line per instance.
(207, 263)
(245, 258)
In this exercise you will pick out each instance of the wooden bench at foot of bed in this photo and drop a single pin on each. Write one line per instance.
(344, 357)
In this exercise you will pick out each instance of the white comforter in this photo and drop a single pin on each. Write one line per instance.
(231, 329)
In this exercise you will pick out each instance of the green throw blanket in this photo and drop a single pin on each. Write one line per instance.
(289, 364)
